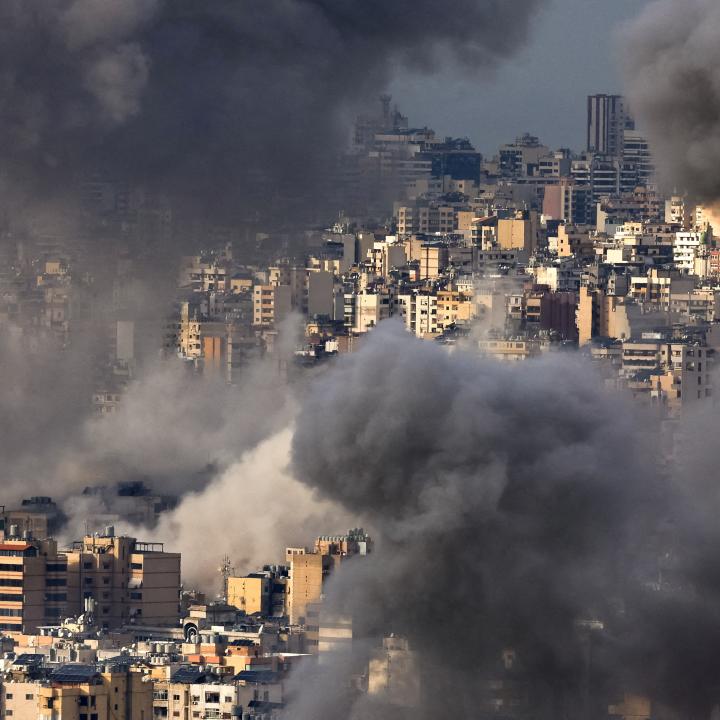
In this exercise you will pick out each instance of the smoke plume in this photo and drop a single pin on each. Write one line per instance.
(517, 509)
(252, 512)
(671, 61)
(211, 99)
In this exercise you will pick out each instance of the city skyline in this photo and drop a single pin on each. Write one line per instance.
(534, 92)
(359, 359)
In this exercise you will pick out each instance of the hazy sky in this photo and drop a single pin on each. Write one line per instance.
(542, 90)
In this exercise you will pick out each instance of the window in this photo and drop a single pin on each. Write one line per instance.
(8, 696)
(55, 582)
(29, 696)
(87, 565)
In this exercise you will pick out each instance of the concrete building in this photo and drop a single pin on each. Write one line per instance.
(321, 297)
(684, 378)
(568, 201)
(607, 119)
(271, 304)
(76, 691)
(453, 308)
(37, 517)
(686, 248)
(197, 692)
(574, 241)
(522, 157)
(426, 218)
(250, 593)
(33, 584)
(519, 233)
(309, 570)
(131, 582)
(368, 309)
(433, 260)
(420, 313)
(512, 350)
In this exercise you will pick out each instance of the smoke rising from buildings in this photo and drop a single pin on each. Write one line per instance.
(173, 430)
(208, 99)
(252, 511)
(510, 506)
(671, 61)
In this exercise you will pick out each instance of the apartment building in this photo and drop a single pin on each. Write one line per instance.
(38, 515)
(33, 585)
(512, 350)
(310, 570)
(454, 307)
(76, 691)
(271, 304)
(193, 692)
(420, 313)
(130, 581)
(250, 593)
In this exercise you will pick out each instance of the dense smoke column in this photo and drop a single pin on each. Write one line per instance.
(513, 506)
(500, 522)
(672, 70)
(209, 99)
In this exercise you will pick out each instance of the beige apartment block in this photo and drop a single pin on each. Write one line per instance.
(250, 593)
(78, 692)
(271, 304)
(131, 581)
(33, 585)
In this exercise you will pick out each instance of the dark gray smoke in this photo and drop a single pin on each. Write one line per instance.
(514, 505)
(210, 99)
(672, 69)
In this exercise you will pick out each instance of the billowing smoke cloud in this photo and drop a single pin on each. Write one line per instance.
(252, 512)
(514, 505)
(173, 430)
(209, 98)
(671, 60)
